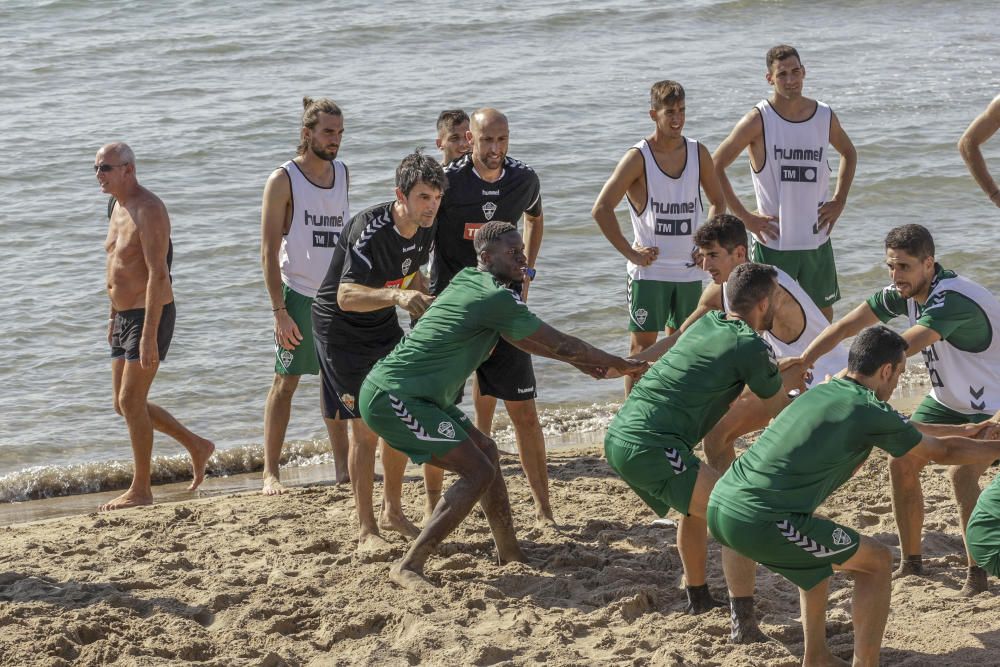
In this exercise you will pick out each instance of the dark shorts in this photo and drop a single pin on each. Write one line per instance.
(342, 369)
(127, 332)
(803, 548)
(507, 374)
(815, 270)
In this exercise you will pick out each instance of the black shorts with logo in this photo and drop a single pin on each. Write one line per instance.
(507, 374)
(126, 332)
(342, 369)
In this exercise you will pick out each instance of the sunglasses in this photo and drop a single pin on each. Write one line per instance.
(105, 167)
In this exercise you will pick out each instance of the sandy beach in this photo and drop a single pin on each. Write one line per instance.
(247, 580)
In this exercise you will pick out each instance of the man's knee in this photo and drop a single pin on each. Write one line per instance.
(523, 414)
(284, 386)
(905, 469)
(639, 341)
(130, 404)
(965, 477)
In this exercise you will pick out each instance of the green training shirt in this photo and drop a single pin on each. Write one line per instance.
(685, 393)
(954, 316)
(453, 338)
(810, 449)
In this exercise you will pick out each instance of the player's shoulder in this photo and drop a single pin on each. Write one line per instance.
(459, 165)
(514, 166)
(370, 222)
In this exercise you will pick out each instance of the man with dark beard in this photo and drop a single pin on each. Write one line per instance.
(304, 211)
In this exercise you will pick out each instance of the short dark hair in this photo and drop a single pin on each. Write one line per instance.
(419, 168)
(449, 118)
(914, 239)
(725, 229)
(874, 347)
(665, 92)
(748, 285)
(780, 52)
(490, 233)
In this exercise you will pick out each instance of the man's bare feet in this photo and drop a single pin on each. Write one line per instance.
(410, 580)
(511, 555)
(398, 523)
(272, 486)
(342, 477)
(199, 461)
(372, 542)
(128, 499)
(545, 522)
(826, 659)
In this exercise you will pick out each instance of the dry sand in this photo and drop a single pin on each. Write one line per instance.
(248, 580)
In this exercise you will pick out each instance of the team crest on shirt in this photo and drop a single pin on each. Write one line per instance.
(406, 266)
(841, 538)
(446, 429)
(348, 401)
(489, 208)
(641, 315)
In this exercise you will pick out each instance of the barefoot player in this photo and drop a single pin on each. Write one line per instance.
(409, 397)
(141, 322)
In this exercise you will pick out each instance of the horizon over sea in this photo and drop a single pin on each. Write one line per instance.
(209, 98)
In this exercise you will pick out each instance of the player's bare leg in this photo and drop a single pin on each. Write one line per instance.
(392, 516)
(361, 463)
(965, 484)
(277, 411)
(908, 509)
(531, 451)
(477, 464)
(340, 445)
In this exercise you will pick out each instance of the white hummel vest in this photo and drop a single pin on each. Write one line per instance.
(318, 217)
(966, 382)
(795, 178)
(830, 363)
(672, 213)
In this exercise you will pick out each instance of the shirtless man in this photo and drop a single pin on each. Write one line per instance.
(787, 136)
(982, 128)
(141, 322)
(303, 214)
(452, 130)
(662, 176)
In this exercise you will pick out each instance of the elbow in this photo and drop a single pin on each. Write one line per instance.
(966, 147)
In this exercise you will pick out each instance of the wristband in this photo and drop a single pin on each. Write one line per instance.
(994, 193)
(274, 310)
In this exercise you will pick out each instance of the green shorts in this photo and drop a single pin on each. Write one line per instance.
(815, 270)
(931, 412)
(301, 360)
(654, 305)
(982, 535)
(802, 548)
(418, 428)
(663, 477)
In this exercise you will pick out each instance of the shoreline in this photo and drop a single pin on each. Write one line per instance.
(312, 464)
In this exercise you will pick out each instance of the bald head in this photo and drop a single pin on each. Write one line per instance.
(118, 151)
(485, 117)
(488, 134)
